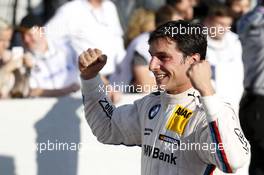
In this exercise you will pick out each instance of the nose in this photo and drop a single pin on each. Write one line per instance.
(154, 64)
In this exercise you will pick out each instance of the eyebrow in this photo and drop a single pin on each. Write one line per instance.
(158, 53)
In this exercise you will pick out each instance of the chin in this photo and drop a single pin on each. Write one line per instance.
(162, 86)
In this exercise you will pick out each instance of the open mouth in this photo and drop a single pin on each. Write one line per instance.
(160, 76)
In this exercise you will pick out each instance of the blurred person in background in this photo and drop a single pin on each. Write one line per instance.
(89, 23)
(6, 66)
(134, 69)
(142, 20)
(9, 65)
(251, 112)
(6, 35)
(184, 7)
(224, 53)
(238, 8)
(54, 69)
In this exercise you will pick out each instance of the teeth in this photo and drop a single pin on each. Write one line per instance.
(160, 76)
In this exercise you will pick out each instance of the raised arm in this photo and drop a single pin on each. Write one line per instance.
(109, 124)
(220, 127)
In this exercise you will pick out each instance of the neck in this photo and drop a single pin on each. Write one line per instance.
(95, 3)
(215, 38)
(42, 48)
(180, 89)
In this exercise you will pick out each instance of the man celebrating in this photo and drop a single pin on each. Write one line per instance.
(175, 128)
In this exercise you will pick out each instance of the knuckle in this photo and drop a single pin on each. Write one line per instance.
(89, 50)
(97, 51)
(86, 56)
(81, 57)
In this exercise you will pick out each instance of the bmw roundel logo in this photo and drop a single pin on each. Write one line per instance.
(154, 111)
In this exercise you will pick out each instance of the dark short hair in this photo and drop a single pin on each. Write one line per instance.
(30, 21)
(219, 10)
(164, 14)
(172, 2)
(188, 43)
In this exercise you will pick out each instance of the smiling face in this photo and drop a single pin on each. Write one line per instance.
(174, 52)
(169, 66)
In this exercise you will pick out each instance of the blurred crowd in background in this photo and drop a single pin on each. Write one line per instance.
(39, 53)
(40, 41)
(40, 46)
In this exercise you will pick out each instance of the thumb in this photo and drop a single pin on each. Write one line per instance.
(102, 59)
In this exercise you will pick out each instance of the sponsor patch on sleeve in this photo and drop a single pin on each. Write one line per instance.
(107, 107)
(179, 119)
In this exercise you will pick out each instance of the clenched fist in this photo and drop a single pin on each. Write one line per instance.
(91, 62)
(200, 76)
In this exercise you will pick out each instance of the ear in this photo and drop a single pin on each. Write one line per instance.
(193, 58)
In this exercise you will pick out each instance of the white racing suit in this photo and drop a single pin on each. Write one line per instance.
(182, 134)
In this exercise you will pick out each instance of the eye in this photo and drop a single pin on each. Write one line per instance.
(163, 57)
